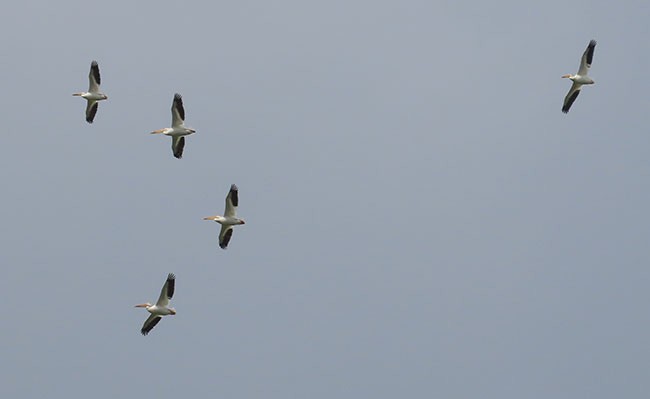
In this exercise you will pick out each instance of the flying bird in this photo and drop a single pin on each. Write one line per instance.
(93, 95)
(178, 131)
(161, 307)
(229, 219)
(580, 78)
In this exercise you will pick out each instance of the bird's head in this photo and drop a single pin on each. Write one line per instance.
(241, 221)
(172, 311)
(104, 96)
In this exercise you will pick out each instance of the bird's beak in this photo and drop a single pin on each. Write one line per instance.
(242, 222)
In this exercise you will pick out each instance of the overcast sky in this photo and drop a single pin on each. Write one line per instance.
(422, 221)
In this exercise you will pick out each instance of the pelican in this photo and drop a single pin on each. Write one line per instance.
(93, 95)
(229, 219)
(178, 131)
(580, 78)
(160, 309)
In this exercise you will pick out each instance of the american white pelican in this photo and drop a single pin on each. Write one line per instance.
(229, 218)
(580, 78)
(93, 95)
(160, 309)
(178, 131)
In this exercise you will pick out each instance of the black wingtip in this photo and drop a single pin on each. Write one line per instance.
(590, 52)
(146, 329)
(94, 69)
(178, 103)
(171, 284)
(569, 102)
(91, 115)
(234, 195)
(226, 239)
(178, 151)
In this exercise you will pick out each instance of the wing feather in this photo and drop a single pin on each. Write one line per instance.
(224, 236)
(178, 111)
(587, 58)
(167, 291)
(178, 143)
(91, 110)
(571, 97)
(150, 323)
(94, 78)
(232, 201)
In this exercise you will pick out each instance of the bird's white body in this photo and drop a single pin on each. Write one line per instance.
(160, 310)
(177, 131)
(93, 96)
(582, 80)
(226, 220)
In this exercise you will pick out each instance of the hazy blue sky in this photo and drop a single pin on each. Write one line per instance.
(422, 221)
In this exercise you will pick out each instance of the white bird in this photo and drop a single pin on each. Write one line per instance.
(229, 219)
(93, 95)
(580, 78)
(161, 307)
(178, 131)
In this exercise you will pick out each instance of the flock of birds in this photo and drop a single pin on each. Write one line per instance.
(178, 131)
(161, 307)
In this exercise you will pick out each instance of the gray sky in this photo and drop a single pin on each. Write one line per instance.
(422, 220)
